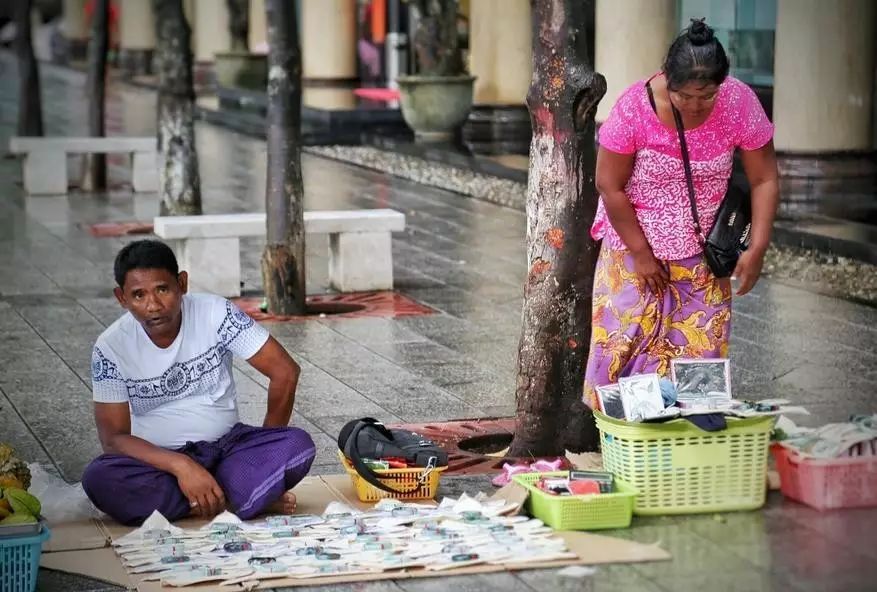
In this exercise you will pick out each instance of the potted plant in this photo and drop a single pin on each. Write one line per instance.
(436, 100)
(238, 68)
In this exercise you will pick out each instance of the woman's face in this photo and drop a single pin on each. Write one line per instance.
(695, 99)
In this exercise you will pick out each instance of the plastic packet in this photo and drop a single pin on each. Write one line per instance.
(61, 501)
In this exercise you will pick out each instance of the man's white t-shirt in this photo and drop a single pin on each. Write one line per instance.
(185, 392)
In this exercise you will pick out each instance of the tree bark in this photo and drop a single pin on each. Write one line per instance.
(239, 24)
(283, 261)
(561, 203)
(30, 110)
(95, 165)
(179, 182)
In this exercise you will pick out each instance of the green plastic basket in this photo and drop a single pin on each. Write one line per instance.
(678, 468)
(579, 512)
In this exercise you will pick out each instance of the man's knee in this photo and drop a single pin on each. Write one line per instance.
(129, 491)
(301, 449)
(98, 477)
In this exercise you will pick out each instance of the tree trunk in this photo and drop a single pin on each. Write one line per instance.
(179, 183)
(30, 110)
(95, 165)
(283, 261)
(239, 24)
(561, 202)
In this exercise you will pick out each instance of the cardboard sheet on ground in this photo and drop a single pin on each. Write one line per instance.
(83, 547)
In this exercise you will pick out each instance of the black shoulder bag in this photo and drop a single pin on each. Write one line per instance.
(729, 236)
(368, 438)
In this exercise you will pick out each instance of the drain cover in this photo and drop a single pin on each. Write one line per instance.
(346, 306)
(463, 439)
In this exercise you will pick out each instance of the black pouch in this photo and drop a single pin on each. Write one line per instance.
(369, 438)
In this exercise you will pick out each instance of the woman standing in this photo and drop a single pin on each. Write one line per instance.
(655, 298)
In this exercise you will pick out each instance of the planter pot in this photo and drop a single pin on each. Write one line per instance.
(435, 106)
(241, 70)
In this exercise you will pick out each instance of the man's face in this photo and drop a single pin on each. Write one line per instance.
(155, 298)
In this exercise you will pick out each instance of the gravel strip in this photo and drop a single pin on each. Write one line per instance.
(822, 272)
(812, 270)
(499, 191)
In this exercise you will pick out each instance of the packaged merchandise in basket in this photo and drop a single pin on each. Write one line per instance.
(553, 499)
(699, 387)
(856, 437)
(577, 483)
(833, 466)
(827, 483)
(390, 463)
(407, 484)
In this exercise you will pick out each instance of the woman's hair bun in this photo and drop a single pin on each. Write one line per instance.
(699, 33)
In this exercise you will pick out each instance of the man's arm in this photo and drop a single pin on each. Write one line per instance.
(282, 371)
(114, 429)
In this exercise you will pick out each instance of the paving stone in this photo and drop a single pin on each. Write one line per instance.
(470, 583)
(16, 432)
(56, 581)
(608, 578)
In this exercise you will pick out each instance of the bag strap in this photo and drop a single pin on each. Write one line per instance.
(651, 96)
(686, 163)
(362, 468)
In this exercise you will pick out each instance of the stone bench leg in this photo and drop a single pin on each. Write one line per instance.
(213, 264)
(144, 172)
(45, 173)
(360, 261)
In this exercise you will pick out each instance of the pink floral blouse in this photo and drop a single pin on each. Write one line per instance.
(657, 186)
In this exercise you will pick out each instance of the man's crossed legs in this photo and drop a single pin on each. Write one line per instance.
(254, 466)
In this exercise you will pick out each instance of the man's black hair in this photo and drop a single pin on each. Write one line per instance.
(144, 254)
(696, 56)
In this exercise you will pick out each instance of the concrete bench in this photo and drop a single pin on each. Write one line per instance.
(360, 253)
(45, 160)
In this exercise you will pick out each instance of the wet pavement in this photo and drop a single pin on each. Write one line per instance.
(463, 257)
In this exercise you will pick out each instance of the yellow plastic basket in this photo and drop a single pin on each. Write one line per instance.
(579, 512)
(406, 481)
(677, 468)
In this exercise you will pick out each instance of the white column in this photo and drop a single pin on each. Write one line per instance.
(824, 75)
(73, 24)
(500, 50)
(136, 25)
(631, 41)
(328, 39)
(210, 34)
(258, 34)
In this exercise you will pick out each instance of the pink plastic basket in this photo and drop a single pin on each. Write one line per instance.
(827, 484)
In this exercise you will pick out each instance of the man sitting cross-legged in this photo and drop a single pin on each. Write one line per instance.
(166, 409)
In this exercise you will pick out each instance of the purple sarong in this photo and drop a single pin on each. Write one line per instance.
(633, 331)
(254, 467)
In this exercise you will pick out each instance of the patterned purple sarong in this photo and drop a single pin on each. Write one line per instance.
(635, 332)
(254, 467)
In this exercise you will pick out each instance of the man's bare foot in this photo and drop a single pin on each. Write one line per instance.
(285, 505)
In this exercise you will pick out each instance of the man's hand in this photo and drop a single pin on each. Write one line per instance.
(200, 488)
(652, 271)
(748, 270)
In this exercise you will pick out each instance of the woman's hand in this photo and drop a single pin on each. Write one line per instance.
(748, 270)
(652, 271)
